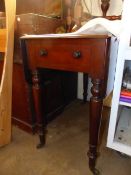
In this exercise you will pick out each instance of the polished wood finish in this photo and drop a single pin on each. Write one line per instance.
(94, 60)
(60, 51)
(114, 17)
(41, 120)
(3, 40)
(95, 111)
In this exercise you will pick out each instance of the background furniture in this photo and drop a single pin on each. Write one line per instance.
(119, 137)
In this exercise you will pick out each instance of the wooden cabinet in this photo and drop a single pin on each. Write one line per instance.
(22, 115)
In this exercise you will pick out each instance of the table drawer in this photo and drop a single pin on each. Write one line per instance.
(63, 54)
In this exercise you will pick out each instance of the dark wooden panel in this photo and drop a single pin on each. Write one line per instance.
(59, 88)
(2, 5)
(21, 104)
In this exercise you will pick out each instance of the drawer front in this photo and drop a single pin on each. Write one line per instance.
(61, 54)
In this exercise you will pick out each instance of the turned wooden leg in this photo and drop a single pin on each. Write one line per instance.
(96, 104)
(105, 6)
(85, 87)
(38, 108)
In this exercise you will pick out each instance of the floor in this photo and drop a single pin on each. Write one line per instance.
(65, 151)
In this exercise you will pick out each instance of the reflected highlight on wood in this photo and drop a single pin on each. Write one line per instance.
(2, 40)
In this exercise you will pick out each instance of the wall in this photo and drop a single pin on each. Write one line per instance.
(95, 7)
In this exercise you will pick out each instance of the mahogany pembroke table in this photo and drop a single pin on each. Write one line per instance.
(82, 53)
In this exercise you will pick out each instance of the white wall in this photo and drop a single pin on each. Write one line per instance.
(95, 9)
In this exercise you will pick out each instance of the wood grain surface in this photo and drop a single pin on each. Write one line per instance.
(6, 80)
